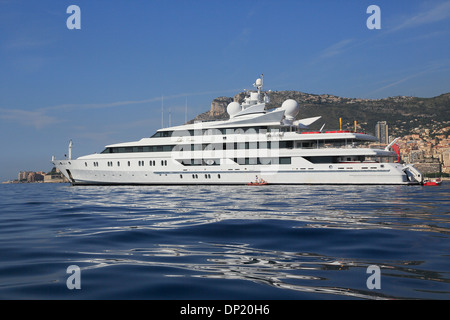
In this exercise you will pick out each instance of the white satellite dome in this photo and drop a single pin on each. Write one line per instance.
(290, 108)
(233, 108)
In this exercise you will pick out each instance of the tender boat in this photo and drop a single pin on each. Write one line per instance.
(432, 182)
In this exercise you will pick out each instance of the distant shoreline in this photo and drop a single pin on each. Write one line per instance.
(35, 182)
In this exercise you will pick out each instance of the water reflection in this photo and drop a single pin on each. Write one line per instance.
(302, 272)
(344, 207)
(118, 210)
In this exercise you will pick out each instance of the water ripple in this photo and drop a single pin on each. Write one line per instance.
(225, 242)
(164, 207)
(301, 272)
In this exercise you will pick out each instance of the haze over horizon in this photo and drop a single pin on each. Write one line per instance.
(106, 82)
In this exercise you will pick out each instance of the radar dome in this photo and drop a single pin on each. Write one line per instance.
(233, 108)
(290, 108)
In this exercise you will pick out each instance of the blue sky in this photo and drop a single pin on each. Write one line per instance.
(103, 83)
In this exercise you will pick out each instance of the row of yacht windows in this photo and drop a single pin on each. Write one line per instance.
(151, 163)
(236, 146)
(138, 149)
(201, 162)
(199, 132)
(240, 161)
(195, 176)
(250, 161)
(141, 163)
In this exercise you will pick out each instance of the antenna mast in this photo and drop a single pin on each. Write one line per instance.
(170, 117)
(70, 149)
(162, 111)
(185, 111)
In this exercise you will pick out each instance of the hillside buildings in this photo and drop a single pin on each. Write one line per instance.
(30, 176)
(382, 132)
(428, 149)
(53, 176)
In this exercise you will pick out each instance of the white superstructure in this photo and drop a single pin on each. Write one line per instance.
(253, 144)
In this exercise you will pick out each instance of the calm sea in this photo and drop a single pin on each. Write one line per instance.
(224, 242)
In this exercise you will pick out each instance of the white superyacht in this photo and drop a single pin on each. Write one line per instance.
(254, 145)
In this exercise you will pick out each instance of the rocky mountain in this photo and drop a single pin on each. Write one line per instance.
(402, 113)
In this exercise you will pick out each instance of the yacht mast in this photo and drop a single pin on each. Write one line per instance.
(185, 111)
(162, 111)
(70, 149)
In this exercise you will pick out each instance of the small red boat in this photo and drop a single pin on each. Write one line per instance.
(434, 182)
(257, 183)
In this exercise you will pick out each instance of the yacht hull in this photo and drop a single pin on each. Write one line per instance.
(356, 174)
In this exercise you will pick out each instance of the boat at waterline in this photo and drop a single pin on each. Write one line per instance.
(253, 141)
(432, 182)
(258, 183)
